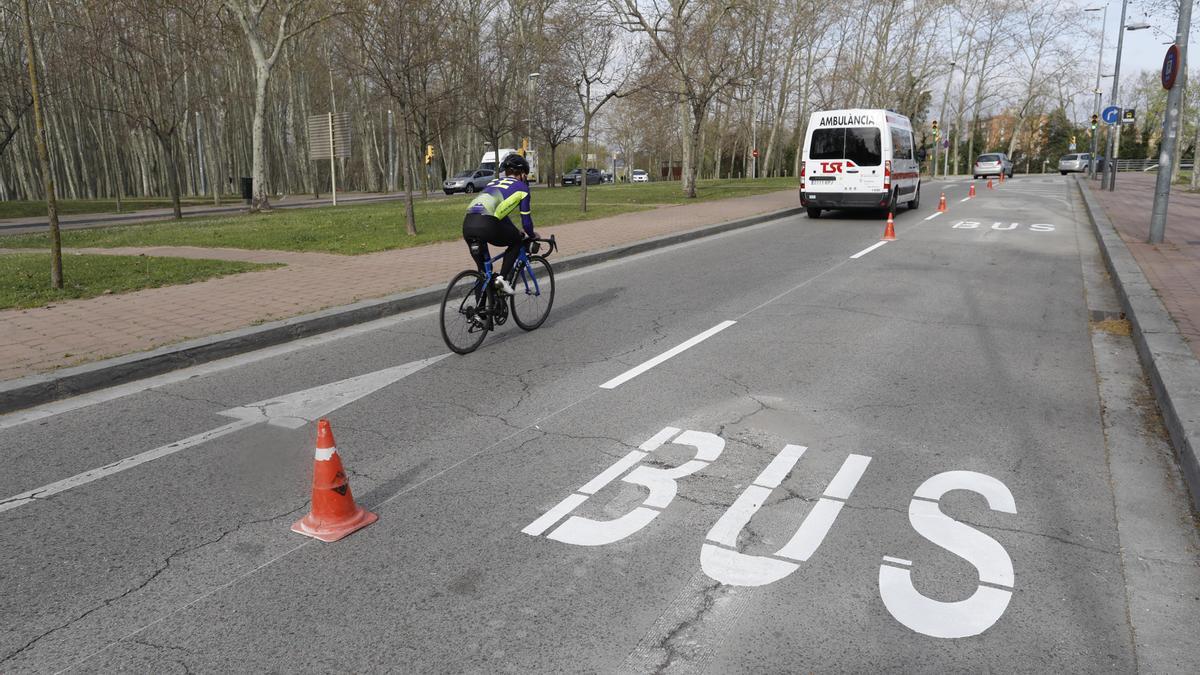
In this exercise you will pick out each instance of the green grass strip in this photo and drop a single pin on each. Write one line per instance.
(25, 277)
(367, 228)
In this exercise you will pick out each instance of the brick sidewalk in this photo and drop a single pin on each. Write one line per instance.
(1172, 267)
(80, 331)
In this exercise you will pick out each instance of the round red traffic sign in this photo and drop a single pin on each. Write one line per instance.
(1170, 68)
(755, 153)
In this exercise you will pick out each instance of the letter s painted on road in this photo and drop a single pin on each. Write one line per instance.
(984, 608)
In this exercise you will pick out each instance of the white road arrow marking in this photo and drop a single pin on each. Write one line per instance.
(291, 411)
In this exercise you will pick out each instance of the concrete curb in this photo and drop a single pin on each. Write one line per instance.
(37, 389)
(1173, 369)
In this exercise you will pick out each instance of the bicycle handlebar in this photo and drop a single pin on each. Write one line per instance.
(534, 241)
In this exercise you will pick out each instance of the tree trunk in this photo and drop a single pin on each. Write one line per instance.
(258, 171)
(56, 273)
(410, 219)
(166, 142)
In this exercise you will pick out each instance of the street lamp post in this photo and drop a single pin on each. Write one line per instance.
(1115, 135)
(1171, 128)
(1099, 70)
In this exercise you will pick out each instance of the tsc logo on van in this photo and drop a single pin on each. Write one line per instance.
(836, 167)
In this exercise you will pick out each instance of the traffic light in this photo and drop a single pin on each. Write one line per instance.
(524, 151)
(1095, 121)
(428, 154)
(935, 129)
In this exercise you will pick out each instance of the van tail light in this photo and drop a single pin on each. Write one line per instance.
(887, 175)
(802, 168)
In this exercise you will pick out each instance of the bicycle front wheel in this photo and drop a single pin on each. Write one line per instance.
(464, 313)
(534, 293)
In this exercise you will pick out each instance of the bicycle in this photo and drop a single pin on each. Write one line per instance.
(472, 306)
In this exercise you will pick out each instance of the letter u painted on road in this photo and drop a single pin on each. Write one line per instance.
(719, 557)
(987, 604)
(661, 483)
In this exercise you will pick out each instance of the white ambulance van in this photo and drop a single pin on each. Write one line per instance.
(859, 159)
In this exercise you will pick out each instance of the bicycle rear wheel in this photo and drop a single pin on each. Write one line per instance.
(464, 316)
(534, 293)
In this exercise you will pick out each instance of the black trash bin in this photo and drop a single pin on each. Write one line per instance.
(248, 189)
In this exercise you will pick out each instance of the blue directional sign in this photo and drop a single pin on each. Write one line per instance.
(1111, 114)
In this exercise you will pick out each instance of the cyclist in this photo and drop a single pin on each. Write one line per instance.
(487, 220)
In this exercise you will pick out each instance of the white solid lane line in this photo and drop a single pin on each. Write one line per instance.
(121, 465)
(867, 250)
(679, 349)
(935, 215)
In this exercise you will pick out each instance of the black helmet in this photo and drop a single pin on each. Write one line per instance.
(515, 163)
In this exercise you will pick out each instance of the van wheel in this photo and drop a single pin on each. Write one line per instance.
(1063, 172)
(916, 200)
(814, 212)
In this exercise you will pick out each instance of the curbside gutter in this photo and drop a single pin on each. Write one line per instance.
(1173, 369)
(34, 390)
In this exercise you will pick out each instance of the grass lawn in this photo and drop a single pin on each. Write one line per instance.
(68, 207)
(366, 228)
(25, 277)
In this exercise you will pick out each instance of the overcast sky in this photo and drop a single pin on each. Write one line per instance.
(1144, 49)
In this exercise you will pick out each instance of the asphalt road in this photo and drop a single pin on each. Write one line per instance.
(919, 459)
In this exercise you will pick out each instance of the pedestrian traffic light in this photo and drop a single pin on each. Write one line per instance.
(936, 134)
(1095, 121)
(428, 154)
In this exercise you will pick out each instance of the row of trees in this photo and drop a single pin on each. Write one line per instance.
(180, 97)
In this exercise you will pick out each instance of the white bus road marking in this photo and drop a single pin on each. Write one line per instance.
(674, 351)
(964, 199)
(935, 215)
(867, 250)
(291, 411)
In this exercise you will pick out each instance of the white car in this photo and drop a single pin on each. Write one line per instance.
(639, 176)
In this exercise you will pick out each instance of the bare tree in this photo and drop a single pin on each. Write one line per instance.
(598, 70)
(699, 41)
(268, 25)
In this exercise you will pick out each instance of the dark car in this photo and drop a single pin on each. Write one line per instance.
(594, 177)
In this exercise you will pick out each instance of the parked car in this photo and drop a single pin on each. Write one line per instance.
(468, 181)
(992, 164)
(640, 176)
(1077, 163)
(572, 177)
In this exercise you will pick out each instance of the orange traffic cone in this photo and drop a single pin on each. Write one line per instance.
(972, 192)
(990, 184)
(889, 232)
(334, 513)
(942, 203)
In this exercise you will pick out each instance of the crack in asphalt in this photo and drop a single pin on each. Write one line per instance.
(158, 647)
(166, 564)
(668, 642)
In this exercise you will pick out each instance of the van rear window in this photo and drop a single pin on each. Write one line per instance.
(860, 145)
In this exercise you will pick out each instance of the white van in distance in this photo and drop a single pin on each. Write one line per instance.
(858, 159)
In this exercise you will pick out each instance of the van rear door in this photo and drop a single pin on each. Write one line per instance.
(845, 159)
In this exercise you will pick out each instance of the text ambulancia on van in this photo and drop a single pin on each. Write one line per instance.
(858, 159)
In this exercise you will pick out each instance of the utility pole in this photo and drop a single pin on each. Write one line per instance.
(56, 275)
(1171, 129)
(753, 128)
(1114, 134)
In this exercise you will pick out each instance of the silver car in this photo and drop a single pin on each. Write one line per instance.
(992, 164)
(1077, 163)
(473, 180)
